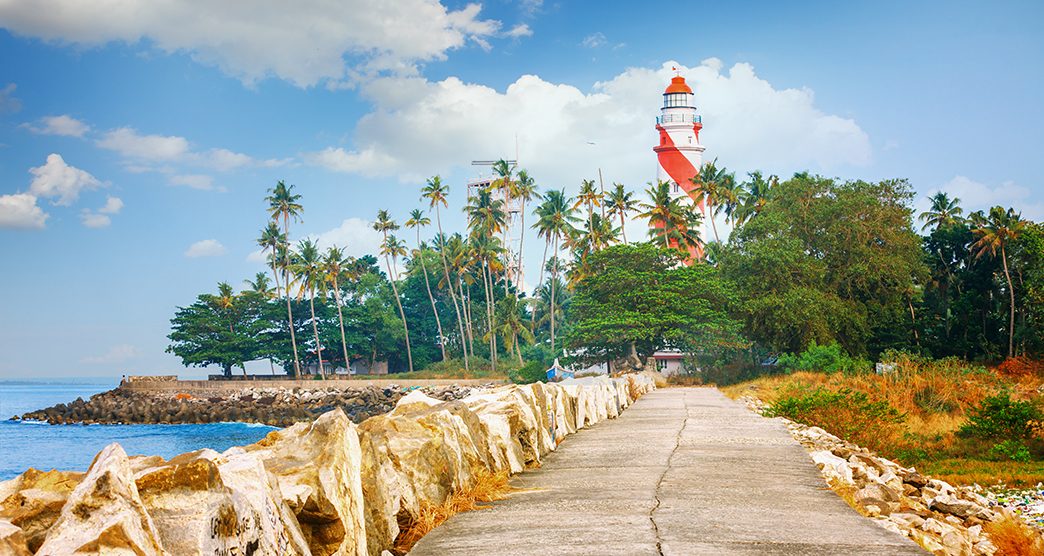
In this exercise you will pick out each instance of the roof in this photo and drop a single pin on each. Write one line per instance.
(678, 85)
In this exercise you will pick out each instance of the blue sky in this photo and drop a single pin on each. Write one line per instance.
(136, 143)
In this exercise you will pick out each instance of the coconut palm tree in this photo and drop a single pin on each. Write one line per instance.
(510, 326)
(995, 233)
(555, 222)
(308, 265)
(589, 196)
(284, 204)
(621, 203)
(752, 196)
(435, 192)
(665, 213)
(711, 183)
(334, 266)
(392, 249)
(525, 190)
(261, 285)
(943, 212)
(486, 217)
(417, 221)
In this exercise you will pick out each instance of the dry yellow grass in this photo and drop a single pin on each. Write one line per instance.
(1013, 537)
(487, 487)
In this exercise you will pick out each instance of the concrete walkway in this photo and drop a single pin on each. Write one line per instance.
(683, 471)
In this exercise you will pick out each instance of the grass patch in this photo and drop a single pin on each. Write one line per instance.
(486, 488)
(1013, 537)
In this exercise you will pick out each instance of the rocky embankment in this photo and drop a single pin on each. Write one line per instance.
(278, 407)
(942, 518)
(319, 488)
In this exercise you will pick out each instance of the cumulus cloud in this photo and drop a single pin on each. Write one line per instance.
(20, 211)
(976, 195)
(519, 31)
(150, 153)
(205, 248)
(302, 42)
(100, 218)
(153, 148)
(63, 125)
(58, 179)
(116, 354)
(748, 124)
(8, 102)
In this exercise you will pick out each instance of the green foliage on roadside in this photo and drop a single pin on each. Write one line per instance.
(847, 413)
(830, 358)
(1001, 418)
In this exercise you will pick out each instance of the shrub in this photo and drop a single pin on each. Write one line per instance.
(1001, 418)
(846, 413)
(1020, 367)
(1010, 450)
(532, 371)
(829, 358)
(1013, 537)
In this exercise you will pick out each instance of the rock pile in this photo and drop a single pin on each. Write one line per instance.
(942, 518)
(320, 488)
(278, 407)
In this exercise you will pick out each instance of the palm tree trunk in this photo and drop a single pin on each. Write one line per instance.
(398, 302)
(315, 330)
(340, 319)
(465, 301)
(554, 279)
(714, 225)
(435, 310)
(521, 244)
(1011, 294)
(289, 311)
(275, 277)
(543, 263)
(622, 229)
(487, 285)
(449, 286)
(913, 321)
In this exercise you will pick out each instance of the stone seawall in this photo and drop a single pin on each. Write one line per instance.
(320, 488)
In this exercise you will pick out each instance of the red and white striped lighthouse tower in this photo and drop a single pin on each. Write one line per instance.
(679, 152)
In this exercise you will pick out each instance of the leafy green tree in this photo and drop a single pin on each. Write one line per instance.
(638, 299)
(221, 329)
(826, 261)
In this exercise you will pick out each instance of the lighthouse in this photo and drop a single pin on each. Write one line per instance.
(679, 153)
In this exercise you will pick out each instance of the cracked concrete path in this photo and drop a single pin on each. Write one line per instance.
(682, 471)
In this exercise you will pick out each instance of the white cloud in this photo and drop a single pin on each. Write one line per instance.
(63, 125)
(302, 42)
(195, 181)
(94, 219)
(58, 179)
(748, 124)
(153, 148)
(8, 102)
(113, 205)
(205, 248)
(979, 196)
(594, 40)
(20, 211)
(116, 354)
(519, 31)
(100, 218)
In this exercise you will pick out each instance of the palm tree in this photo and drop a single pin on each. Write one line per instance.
(943, 212)
(392, 249)
(486, 217)
(621, 203)
(261, 286)
(752, 196)
(555, 221)
(435, 192)
(334, 266)
(283, 203)
(998, 230)
(417, 221)
(308, 265)
(525, 189)
(711, 182)
(666, 214)
(510, 325)
(589, 196)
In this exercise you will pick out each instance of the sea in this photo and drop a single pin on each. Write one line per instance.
(25, 444)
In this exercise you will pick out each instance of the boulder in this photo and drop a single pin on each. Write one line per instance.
(104, 513)
(12, 540)
(955, 542)
(876, 494)
(832, 466)
(33, 501)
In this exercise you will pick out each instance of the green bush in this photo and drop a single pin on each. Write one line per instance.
(1011, 450)
(532, 371)
(829, 359)
(1001, 418)
(846, 413)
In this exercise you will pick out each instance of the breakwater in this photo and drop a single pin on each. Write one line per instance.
(322, 487)
(278, 405)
